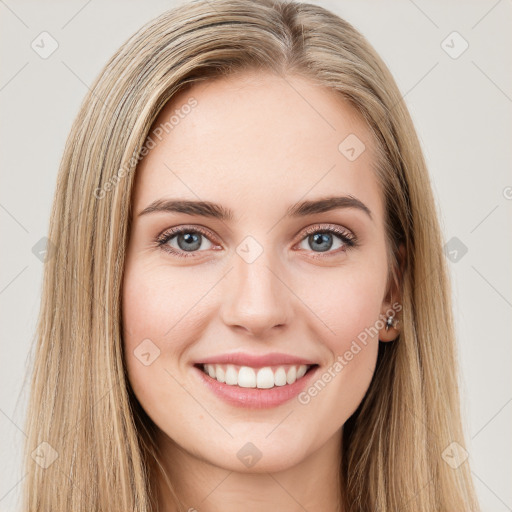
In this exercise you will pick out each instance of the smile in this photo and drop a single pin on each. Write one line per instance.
(262, 378)
(255, 388)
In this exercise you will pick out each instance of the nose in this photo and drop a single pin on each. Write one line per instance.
(256, 298)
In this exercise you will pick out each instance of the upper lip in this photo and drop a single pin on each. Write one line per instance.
(256, 361)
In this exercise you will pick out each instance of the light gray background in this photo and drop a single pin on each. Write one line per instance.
(462, 111)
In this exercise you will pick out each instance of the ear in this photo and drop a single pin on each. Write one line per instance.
(392, 304)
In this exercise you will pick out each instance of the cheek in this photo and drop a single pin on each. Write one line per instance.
(348, 303)
(162, 305)
(150, 310)
(161, 320)
(150, 314)
(150, 300)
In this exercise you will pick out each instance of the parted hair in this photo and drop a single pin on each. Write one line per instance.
(81, 403)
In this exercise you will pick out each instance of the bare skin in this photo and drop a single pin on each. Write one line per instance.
(253, 144)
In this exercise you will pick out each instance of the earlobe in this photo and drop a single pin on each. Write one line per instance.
(391, 328)
(392, 325)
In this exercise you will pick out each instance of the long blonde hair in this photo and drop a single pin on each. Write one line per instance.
(81, 402)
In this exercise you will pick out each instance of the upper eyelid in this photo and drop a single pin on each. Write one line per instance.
(327, 227)
(168, 234)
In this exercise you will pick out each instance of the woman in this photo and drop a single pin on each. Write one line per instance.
(248, 305)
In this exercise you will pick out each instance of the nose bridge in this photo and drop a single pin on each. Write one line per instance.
(256, 297)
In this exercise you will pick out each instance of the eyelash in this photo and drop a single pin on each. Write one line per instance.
(348, 239)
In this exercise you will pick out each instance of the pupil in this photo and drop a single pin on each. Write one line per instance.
(192, 241)
(325, 239)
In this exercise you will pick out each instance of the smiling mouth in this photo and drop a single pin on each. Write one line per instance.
(266, 377)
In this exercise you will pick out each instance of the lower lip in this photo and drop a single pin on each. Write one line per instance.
(256, 398)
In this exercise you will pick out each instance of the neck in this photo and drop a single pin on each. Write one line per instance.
(313, 484)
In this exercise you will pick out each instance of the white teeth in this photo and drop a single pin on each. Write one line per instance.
(265, 378)
(280, 377)
(247, 377)
(220, 375)
(231, 375)
(301, 371)
(291, 376)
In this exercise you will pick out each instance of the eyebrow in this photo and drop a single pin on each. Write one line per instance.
(217, 211)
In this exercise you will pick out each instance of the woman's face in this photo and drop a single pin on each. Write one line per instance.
(258, 284)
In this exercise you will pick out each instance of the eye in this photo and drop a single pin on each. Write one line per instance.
(183, 240)
(320, 239)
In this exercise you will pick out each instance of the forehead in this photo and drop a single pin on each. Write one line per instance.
(256, 141)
